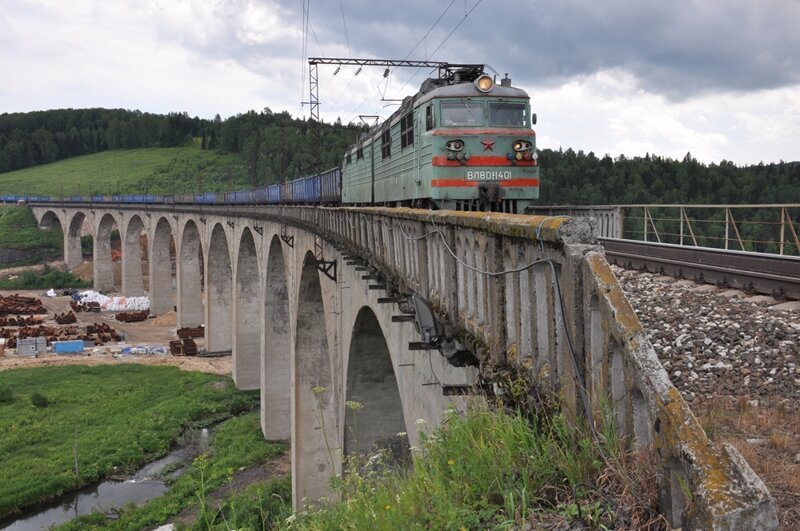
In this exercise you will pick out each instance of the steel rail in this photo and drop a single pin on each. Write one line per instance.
(768, 274)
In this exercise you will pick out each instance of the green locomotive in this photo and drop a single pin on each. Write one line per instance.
(460, 143)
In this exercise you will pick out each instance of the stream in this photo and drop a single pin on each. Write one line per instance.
(144, 485)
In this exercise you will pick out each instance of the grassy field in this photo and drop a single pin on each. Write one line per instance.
(124, 415)
(135, 171)
(19, 230)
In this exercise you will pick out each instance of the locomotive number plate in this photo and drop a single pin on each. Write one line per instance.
(489, 175)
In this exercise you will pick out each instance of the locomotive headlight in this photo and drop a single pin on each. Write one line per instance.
(454, 145)
(522, 145)
(484, 83)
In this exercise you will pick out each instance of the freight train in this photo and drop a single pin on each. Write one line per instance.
(462, 142)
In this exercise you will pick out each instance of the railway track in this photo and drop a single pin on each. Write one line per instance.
(769, 274)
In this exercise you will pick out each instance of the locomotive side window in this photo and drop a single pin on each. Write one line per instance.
(359, 153)
(462, 113)
(407, 130)
(386, 143)
(508, 114)
(349, 158)
(429, 117)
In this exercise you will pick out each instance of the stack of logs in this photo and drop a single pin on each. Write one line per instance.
(185, 347)
(20, 321)
(92, 306)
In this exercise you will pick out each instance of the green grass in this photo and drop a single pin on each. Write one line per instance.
(135, 171)
(45, 279)
(495, 470)
(237, 443)
(124, 414)
(19, 230)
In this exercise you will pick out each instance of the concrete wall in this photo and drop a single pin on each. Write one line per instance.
(531, 293)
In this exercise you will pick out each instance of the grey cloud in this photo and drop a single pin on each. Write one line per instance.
(677, 49)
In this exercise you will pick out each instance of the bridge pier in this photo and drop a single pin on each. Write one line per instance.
(103, 266)
(219, 293)
(248, 319)
(162, 291)
(73, 255)
(132, 280)
(191, 310)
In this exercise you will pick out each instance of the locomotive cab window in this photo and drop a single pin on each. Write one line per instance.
(462, 113)
(407, 130)
(429, 118)
(349, 158)
(386, 143)
(359, 153)
(508, 114)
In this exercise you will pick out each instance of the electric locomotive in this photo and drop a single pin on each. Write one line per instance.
(462, 142)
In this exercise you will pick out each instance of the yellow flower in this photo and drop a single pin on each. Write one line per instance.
(387, 506)
(451, 462)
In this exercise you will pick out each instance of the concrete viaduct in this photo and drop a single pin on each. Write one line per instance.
(322, 306)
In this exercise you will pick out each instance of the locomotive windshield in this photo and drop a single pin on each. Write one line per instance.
(462, 113)
(508, 114)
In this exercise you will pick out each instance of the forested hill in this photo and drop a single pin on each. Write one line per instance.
(578, 178)
(271, 144)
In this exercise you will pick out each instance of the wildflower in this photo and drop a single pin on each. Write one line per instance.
(355, 406)
(387, 506)
(451, 462)
(402, 434)
(420, 422)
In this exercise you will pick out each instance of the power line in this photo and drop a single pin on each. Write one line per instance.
(346, 36)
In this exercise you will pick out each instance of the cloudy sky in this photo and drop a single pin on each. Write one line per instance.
(718, 78)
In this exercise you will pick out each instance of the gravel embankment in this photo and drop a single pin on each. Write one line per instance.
(715, 342)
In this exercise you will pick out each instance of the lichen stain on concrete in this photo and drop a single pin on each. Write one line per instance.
(623, 312)
(712, 470)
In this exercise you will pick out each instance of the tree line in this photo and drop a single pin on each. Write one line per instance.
(273, 146)
(276, 146)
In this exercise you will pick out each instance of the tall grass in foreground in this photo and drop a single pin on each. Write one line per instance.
(497, 469)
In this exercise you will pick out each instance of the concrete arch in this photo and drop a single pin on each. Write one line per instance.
(276, 403)
(132, 277)
(190, 277)
(247, 327)
(219, 292)
(51, 221)
(103, 266)
(314, 432)
(73, 254)
(371, 382)
(162, 287)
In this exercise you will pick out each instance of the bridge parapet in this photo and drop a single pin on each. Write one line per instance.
(536, 293)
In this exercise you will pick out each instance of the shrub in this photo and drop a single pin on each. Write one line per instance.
(6, 395)
(39, 400)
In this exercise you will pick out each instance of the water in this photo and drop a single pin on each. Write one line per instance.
(144, 485)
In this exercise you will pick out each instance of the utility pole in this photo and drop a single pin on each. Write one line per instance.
(446, 71)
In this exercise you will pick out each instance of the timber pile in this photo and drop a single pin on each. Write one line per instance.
(188, 332)
(19, 305)
(132, 317)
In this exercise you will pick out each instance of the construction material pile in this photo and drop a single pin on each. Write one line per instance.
(65, 318)
(113, 304)
(19, 305)
(185, 347)
(132, 317)
(20, 321)
(98, 334)
(187, 332)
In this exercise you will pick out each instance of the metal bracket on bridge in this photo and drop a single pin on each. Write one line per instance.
(327, 267)
(289, 240)
(259, 229)
(231, 224)
(203, 221)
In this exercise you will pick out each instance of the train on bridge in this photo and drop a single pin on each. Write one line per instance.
(463, 142)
